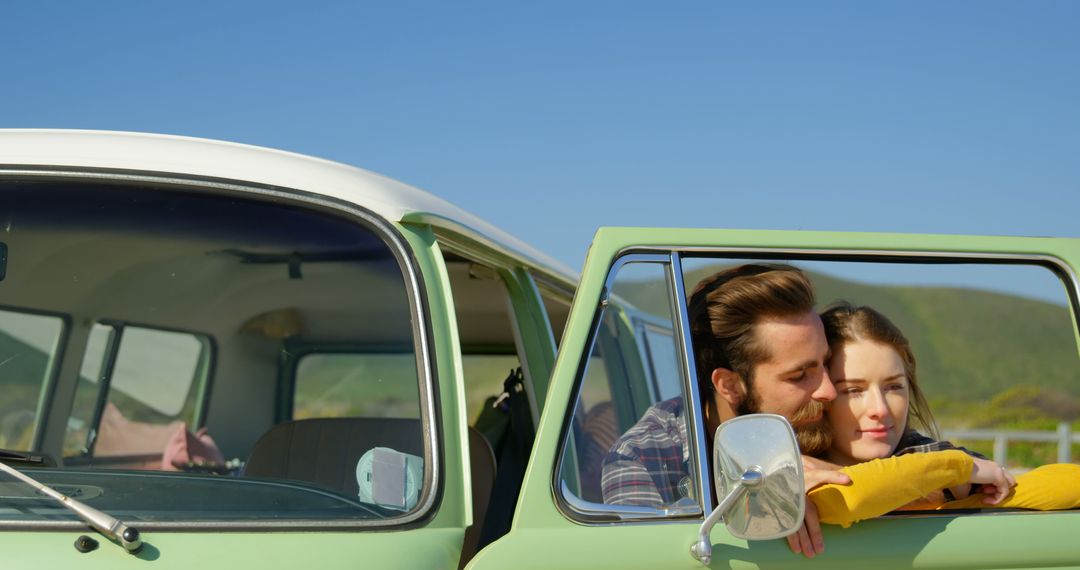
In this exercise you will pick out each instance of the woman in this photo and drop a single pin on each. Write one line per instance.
(892, 466)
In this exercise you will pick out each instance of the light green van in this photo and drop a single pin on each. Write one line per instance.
(255, 357)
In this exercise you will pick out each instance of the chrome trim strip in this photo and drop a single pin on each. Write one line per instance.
(418, 313)
(885, 254)
(848, 252)
(629, 258)
(698, 430)
(623, 512)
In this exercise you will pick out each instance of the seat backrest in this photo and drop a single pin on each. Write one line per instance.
(325, 451)
(482, 468)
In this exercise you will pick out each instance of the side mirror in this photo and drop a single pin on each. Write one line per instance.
(758, 472)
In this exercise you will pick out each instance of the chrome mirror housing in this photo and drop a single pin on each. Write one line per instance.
(758, 473)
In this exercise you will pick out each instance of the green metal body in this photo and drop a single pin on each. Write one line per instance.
(544, 537)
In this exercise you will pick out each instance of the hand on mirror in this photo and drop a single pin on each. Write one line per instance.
(808, 540)
(995, 482)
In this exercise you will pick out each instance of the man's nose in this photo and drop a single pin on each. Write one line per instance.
(825, 391)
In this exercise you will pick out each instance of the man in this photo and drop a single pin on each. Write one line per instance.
(760, 347)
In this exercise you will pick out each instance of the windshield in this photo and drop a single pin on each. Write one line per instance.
(185, 355)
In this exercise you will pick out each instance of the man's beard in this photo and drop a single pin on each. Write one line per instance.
(814, 438)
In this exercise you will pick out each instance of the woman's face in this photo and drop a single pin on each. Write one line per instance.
(870, 411)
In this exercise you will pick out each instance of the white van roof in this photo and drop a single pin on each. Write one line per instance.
(156, 153)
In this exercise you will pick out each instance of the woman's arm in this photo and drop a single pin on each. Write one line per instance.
(884, 485)
(1047, 488)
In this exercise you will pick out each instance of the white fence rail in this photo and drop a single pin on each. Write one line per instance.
(1001, 438)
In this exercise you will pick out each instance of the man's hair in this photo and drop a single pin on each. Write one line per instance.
(724, 308)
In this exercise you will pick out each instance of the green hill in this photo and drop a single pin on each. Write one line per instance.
(974, 348)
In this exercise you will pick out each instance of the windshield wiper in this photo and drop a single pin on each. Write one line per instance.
(21, 457)
(108, 525)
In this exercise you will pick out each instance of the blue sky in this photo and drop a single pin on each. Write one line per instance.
(554, 118)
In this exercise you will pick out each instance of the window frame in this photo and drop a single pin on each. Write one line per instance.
(206, 368)
(583, 512)
(587, 512)
(416, 292)
(294, 352)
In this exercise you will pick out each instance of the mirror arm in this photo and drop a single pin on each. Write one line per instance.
(701, 550)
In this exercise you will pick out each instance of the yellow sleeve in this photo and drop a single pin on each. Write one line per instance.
(1047, 488)
(884, 485)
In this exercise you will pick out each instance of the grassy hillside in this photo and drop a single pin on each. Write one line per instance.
(983, 357)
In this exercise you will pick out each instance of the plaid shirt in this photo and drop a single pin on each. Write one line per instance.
(649, 465)
(915, 442)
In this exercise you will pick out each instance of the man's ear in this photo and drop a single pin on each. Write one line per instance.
(729, 386)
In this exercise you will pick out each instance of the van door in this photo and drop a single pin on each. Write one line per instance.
(991, 320)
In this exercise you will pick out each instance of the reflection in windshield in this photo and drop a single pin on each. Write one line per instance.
(28, 345)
